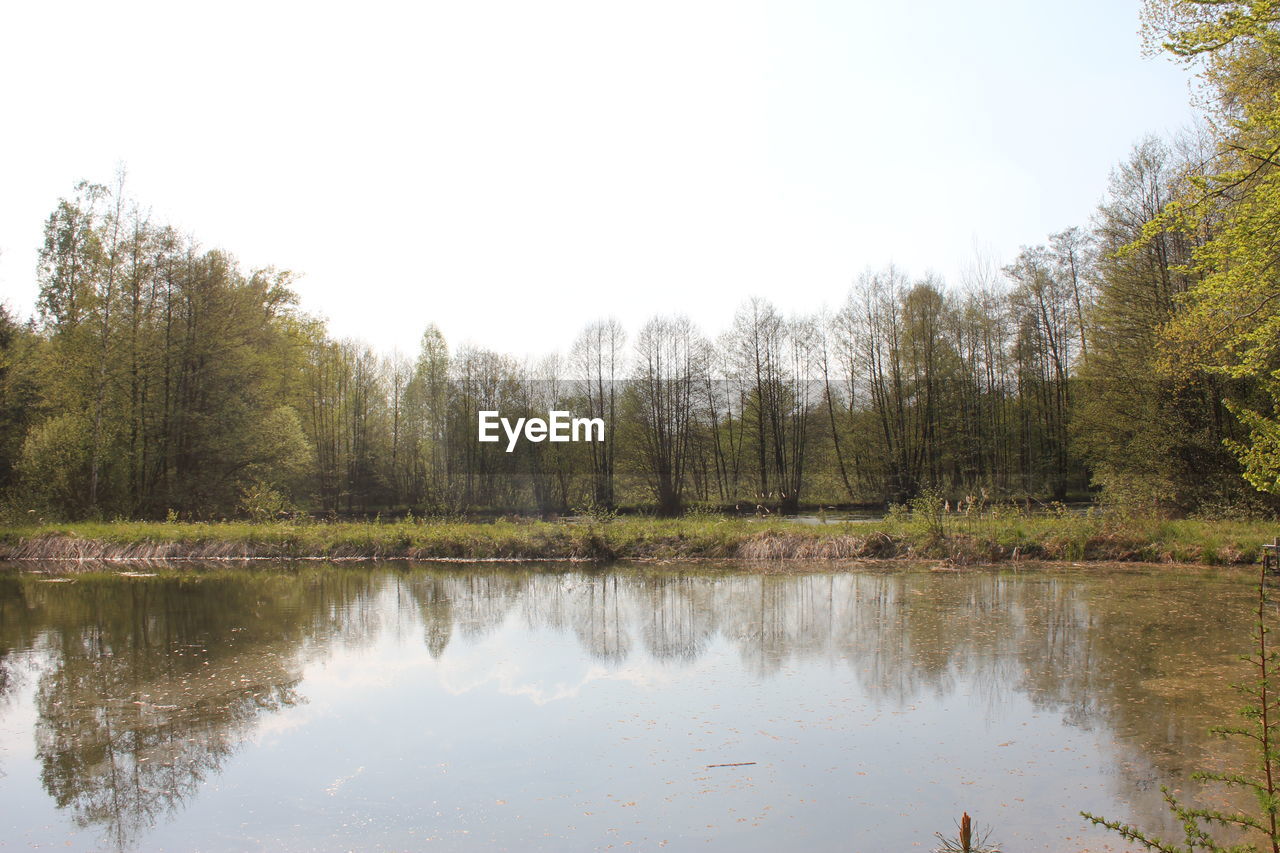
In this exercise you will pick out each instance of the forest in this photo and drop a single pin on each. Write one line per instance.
(1132, 359)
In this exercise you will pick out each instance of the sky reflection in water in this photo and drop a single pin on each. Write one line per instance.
(526, 709)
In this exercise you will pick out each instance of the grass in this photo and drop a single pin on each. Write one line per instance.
(992, 536)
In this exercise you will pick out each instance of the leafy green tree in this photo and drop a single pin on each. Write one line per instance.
(1153, 435)
(1231, 325)
(175, 359)
(55, 463)
(19, 392)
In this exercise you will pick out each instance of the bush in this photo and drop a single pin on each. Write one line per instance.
(262, 503)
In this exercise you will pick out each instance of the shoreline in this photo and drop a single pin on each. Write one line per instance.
(955, 542)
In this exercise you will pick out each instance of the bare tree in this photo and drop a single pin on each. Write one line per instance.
(598, 360)
(670, 364)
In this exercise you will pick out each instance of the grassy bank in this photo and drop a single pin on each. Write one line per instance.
(956, 538)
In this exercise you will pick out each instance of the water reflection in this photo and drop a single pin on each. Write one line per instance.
(147, 685)
(141, 689)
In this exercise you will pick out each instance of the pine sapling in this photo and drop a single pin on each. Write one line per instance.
(964, 842)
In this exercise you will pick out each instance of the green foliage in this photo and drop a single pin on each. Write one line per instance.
(281, 454)
(1154, 438)
(165, 376)
(19, 392)
(262, 503)
(1229, 324)
(54, 463)
(929, 510)
(598, 512)
(1260, 456)
(161, 376)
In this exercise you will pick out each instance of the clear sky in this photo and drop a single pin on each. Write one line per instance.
(513, 170)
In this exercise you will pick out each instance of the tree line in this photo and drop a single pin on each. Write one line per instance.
(1134, 357)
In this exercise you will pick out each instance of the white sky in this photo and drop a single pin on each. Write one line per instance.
(513, 170)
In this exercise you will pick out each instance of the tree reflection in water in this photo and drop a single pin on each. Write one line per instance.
(149, 684)
(145, 686)
(1124, 652)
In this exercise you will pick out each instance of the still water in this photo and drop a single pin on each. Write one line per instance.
(491, 708)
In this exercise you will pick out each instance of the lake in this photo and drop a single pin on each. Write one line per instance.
(486, 707)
